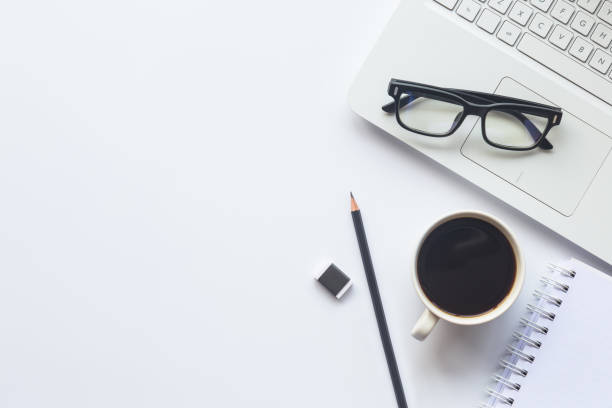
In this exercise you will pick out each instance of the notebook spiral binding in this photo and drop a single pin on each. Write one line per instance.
(528, 338)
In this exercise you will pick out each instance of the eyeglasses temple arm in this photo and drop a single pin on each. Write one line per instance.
(495, 98)
(404, 100)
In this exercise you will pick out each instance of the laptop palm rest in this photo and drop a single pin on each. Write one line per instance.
(559, 177)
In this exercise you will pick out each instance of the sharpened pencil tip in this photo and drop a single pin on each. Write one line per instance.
(354, 206)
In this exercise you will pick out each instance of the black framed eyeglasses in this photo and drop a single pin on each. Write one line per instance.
(507, 123)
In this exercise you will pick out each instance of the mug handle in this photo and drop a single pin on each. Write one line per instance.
(424, 325)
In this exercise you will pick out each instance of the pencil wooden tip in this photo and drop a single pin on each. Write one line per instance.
(354, 206)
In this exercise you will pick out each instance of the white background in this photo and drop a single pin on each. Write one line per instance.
(172, 173)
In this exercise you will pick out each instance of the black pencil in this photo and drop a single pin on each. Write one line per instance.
(377, 303)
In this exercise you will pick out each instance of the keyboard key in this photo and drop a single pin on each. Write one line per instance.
(606, 12)
(562, 12)
(468, 9)
(509, 33)
(500, 5)
(602, 35)
(571, 70)
(589, 5)
(581, 49)
(543, 5)
(520, 13)
(561, 37)
(583, 23)
(601, 61)
(540, 25)
(488, 21)
(449, 4)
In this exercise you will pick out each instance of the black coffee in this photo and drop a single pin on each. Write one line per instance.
(466, 266)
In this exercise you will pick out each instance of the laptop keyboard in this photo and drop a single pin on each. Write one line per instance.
(571, 37)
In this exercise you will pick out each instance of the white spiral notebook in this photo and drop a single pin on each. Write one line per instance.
(561, 352)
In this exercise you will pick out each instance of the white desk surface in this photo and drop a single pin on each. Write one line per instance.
(172, 172)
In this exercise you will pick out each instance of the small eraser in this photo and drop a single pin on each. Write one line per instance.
(335, 281)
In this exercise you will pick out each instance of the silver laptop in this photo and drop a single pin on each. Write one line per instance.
(557, 52)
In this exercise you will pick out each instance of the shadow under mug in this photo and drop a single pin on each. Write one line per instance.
(433, 313)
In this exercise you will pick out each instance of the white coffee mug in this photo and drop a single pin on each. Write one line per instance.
(433, 313)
